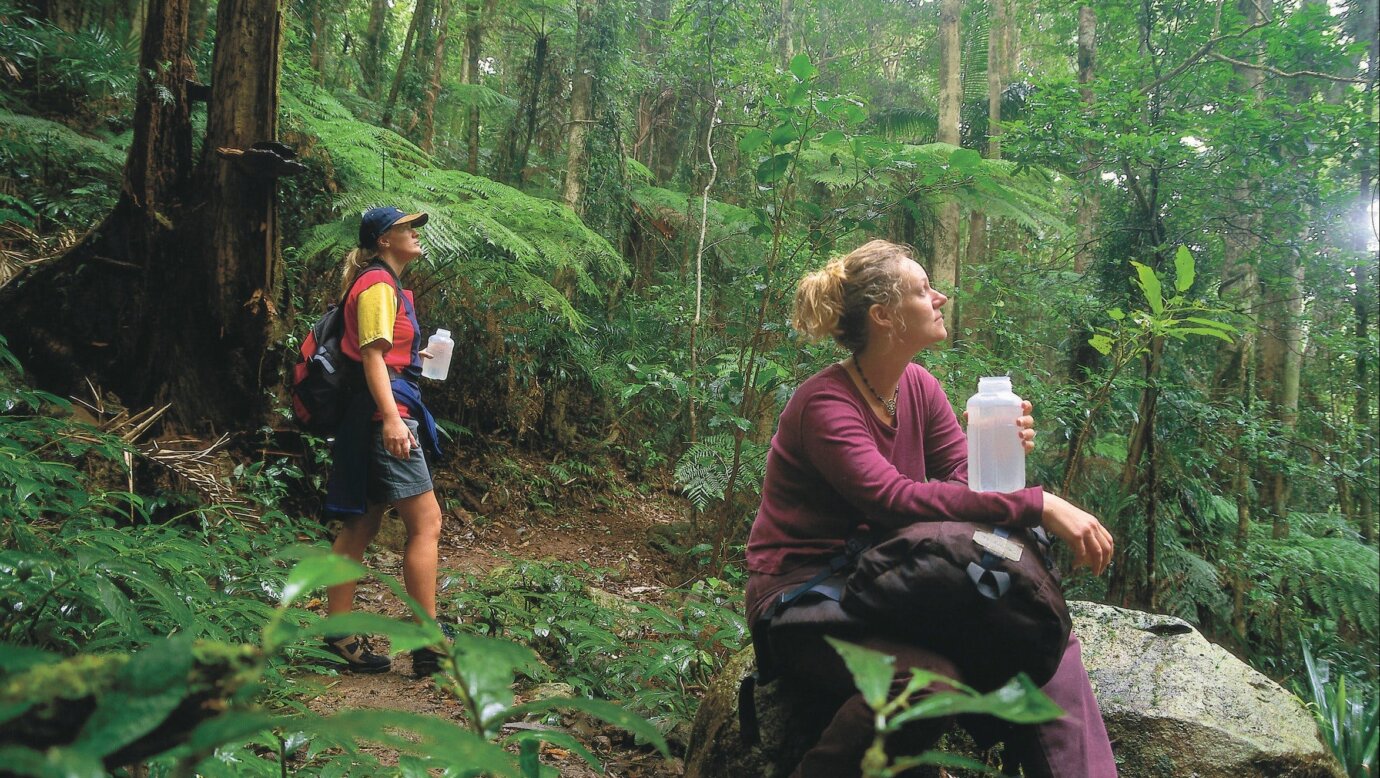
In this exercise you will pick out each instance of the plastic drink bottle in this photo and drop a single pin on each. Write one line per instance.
(996, 458)
(440, 346)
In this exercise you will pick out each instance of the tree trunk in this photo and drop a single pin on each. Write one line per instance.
(521, 138)
(979, 243)
(1091, 180)
(787, 34)
(1367, 17)
(371, 50)
(944, 254)
(421, 16)
(1281, 354)
(581, 108)
(433, 90)
(172, 298)
(479, 12)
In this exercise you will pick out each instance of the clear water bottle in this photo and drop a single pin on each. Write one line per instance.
(440, 346)
(996, 458)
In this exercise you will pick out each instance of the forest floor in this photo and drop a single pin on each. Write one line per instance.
(613, 537)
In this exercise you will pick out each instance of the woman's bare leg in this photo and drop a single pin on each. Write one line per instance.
(422, 517)
(353, 540)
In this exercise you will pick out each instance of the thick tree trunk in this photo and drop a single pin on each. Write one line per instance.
(478, 13)
(171, 298)
(944, 254)
(526, 130)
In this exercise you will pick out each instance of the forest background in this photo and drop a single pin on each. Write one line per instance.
(1158, 217)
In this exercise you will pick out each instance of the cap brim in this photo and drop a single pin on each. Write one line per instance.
(412, 219)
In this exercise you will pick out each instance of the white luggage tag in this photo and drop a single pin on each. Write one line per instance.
(998, 545)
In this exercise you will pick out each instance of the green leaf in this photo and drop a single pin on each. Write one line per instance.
(16, 659)
(414, 733)
(872, 670)
(797, 96)
(53, 763)
(148, 688)
(602, 710)
(802, 68)
(314, 572)
(1116, 313)
(1181, 331)
(785, 134)
(486, 668)
(752, 140)
(965, 159)
(1020, 701)
(1149, 284)
(832, 137)
(556, 738)
(1219, 325)
(402, 635)
(1183, 269)
(773, 168)
(1102, 343)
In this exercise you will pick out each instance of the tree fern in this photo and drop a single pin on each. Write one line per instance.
(703, 470)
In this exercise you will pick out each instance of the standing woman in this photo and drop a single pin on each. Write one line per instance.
(872, 442)
(377, 459)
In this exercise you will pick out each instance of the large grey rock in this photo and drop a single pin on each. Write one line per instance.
(1176, 706)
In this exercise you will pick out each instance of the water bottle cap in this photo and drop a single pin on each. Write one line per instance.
(1000, 383)
(443, 333)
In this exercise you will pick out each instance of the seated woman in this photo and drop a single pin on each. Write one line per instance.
(872, 442)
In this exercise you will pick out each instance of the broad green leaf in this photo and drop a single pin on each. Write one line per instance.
(1116, 313)
(402, 635)
(832, 137)
(148, 688)
(230, 727)
(415, 733)
(556, 738)
(487, 667)
(785, 134)
(1020, 701)
(1215, 333)
(314, 572)
(1102, 343)
(1219, 325)
(752, 140)
(1183, 269)
(942, 760)
(802, 68)
(1149, 284)
(798, 95)
(53, 763)
(773, 168)
(965, 159)
(872, 670)
(16, 659)
(600, 709)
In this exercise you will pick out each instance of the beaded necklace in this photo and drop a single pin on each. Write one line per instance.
(889, 405)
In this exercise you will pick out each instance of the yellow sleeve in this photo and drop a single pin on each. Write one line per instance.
(376, 308)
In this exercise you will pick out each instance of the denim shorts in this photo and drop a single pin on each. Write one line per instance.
(392, 479)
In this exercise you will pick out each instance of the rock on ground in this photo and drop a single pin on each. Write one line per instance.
(1175, 706)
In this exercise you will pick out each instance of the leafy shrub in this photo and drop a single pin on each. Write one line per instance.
(656, 660)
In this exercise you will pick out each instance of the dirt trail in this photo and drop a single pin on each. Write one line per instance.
(612, 538)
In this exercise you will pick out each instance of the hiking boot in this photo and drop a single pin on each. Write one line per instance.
(427, 662)
(358, 654)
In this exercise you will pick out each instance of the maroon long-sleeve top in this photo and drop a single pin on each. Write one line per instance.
(834, 469)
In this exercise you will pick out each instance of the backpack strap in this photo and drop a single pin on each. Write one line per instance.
(748, 729)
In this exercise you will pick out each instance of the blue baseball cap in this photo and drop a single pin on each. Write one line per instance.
(377, 221)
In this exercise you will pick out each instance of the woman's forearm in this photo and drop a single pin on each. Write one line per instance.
(376, 378)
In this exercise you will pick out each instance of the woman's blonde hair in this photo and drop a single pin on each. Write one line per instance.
(354, 262)
(834, 300)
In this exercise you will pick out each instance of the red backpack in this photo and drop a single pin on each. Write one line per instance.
(324, 380)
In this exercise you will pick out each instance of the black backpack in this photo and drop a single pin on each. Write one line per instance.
(324, 380)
